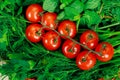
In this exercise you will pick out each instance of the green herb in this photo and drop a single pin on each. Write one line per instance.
(25, 59)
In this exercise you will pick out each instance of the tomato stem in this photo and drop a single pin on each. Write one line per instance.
(104, 46)
(56, 39)
(78, 43)
(68, 37)
(101, 8)
(72, 48)
(41, 13)
(85, 57)
(39, 32)
(90, 36)
(67, 29)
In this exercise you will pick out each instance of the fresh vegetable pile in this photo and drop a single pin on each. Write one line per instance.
(60, 39)
(51, 38)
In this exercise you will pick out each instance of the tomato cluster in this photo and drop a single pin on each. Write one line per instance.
(46, 28)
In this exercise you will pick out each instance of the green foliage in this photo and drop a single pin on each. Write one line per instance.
(50, 5)
(65, 3)
(25, 59)
(74, 9)
(112, 8)
(16, 69)
(92, 4)
(3, 39)
(71, 9)
(90, 18)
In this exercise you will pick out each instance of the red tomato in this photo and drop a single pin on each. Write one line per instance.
(70, 49)
(67, 28)
(106, 50)
(30, 79)
(49, 20)
(89, 38)
(51, 40)
(85, 60)
(34, 32)
(33, 12)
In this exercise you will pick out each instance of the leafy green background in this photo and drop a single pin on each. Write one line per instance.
(25, 59)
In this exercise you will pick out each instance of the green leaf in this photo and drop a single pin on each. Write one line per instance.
(61, 15)
(65, 3)
(3, 40)
(16, 56)
(92, 4)
(3, 4)
(50, 5)
(116, 13)
(74, 10)
(19, 2)
(14, 65)
(12, 1)
(1, 34)
(90, 18)
(83, 1)
(28, 2)
(70, 12)
(17, 42)
(19, 10)
(3, 46)
(77, 17)
(77, 5)
(31, 63)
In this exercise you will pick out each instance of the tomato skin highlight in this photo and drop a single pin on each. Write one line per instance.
(106, 50)
(51, 41)
(70, 49)
(67, 28)
(31, 32)
(89, 38)
(33, 13)
(49, 20)
(89, 61)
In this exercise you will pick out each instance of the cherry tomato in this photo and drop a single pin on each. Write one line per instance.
(101, 79)
(49, 20)
(70, 49)
(85, 60)
(34, 32)
(51, 40)
(67, 28)
(89, 38)
(33, 12)
(106, 50)
(30, 79)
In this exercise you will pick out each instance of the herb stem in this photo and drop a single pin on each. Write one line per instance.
(111, 25)
(101, 8)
